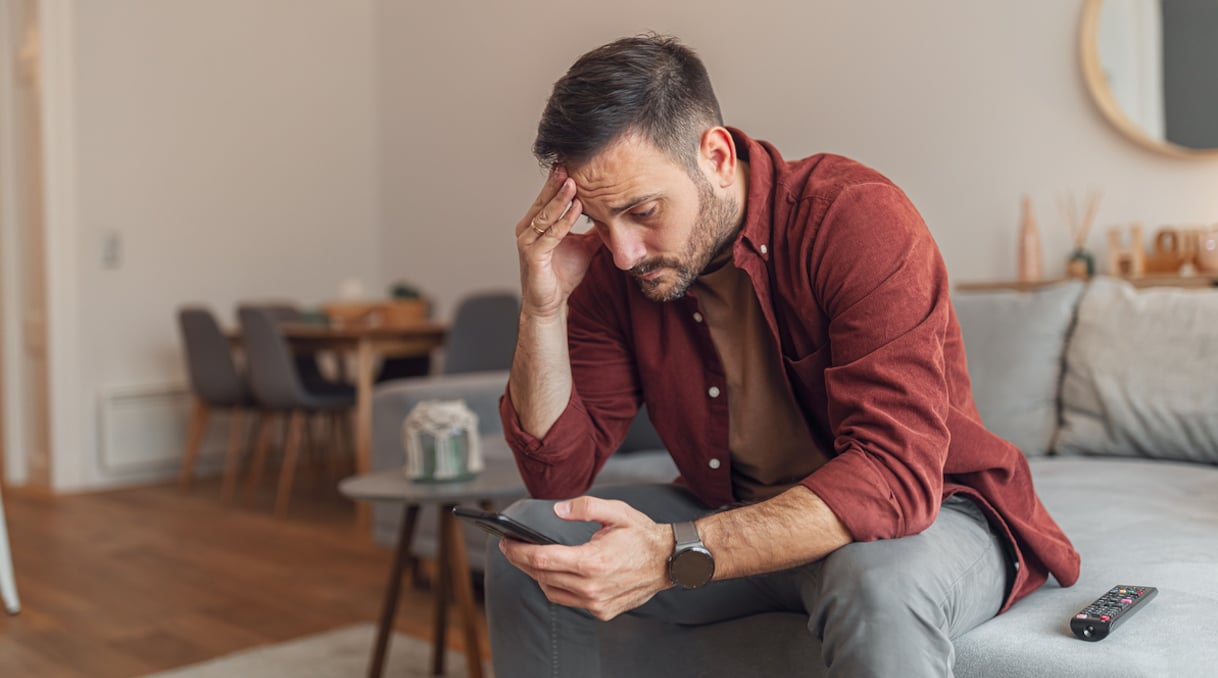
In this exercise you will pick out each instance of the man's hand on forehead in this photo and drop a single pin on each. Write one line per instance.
(553, 260)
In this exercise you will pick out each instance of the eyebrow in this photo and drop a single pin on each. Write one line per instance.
(633, 204)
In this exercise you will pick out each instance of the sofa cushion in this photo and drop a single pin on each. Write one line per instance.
(1014, 342)
(1142, 374)
(1160, 535)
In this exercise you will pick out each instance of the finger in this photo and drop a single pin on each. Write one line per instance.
(541, 561)
(558, 208)
(554, 183)
(516, 551)
(604, 511)
(573, 584)
(603, 610)
(561, 596)
(563, 226)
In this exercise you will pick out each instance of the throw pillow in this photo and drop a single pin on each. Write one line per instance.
(1142, 374)
(1015, 343)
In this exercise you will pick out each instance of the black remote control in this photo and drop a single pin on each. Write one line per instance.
(1100, 618)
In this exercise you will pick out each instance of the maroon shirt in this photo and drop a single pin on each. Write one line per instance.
(855, 294)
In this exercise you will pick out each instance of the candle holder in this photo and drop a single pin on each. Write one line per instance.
(442, 442)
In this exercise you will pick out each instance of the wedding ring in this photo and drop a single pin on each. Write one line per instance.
(540, 231)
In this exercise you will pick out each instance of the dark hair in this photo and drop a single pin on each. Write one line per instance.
(649, 84)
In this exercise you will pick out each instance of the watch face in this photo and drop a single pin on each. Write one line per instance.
(692, 568)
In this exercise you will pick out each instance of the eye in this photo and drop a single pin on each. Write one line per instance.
(644, 214)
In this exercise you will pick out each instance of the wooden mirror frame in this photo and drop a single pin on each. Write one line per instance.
(1101, 93)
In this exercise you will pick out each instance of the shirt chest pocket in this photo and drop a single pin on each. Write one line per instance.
(807, 378)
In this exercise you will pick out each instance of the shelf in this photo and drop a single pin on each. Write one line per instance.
(1195, 281)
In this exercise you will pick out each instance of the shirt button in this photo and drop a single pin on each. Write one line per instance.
(764, 249)
(713, 391)
(697, 317)
(713, 463)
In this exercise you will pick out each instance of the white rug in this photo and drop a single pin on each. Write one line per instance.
(341, 653)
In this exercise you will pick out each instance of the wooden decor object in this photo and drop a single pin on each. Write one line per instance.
(390, 313)
(1126, 262)
(404, 312)
(1030, 268)
(1171, 249)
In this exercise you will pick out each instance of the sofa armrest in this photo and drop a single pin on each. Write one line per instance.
(393, 400)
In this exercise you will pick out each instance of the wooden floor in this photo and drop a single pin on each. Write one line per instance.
(135, 581)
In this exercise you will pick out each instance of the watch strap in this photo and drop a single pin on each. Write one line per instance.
(685, 534)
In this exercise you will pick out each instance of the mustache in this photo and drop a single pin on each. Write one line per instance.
(653, 265)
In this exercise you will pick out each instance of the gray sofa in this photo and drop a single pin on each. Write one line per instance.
(1111, 393)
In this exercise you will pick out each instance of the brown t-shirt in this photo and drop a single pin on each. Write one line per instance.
(768, 438)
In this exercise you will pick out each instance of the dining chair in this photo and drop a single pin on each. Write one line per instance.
(482, 336)
(8, 582)
(307, 364)
(217, 384)
(308, 367)
(279, 387)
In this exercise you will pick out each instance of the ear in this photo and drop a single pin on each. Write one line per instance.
(718, 156)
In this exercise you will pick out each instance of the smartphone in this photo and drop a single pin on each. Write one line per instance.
(502, 526)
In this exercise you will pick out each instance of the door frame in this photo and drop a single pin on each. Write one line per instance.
(65, 400)
(56, 22)
(14, 461)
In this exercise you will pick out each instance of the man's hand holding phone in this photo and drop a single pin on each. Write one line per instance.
(621, 567)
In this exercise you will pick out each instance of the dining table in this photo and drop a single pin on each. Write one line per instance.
(368, 344)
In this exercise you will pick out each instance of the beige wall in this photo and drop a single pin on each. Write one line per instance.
(231, 147)
(965, 104)
(275, 148)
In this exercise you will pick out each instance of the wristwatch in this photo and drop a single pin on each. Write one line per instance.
(690, 564)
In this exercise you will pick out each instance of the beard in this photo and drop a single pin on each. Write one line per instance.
(713, 232)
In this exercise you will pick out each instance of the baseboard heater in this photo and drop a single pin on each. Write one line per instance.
(143, 428)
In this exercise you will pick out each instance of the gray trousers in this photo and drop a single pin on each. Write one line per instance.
(883, 608)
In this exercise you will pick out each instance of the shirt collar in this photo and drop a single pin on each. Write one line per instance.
(758, 225)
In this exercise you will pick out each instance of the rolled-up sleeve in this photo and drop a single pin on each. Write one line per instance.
(604, 398)
(883, 285)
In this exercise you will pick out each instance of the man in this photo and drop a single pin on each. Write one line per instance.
(789, 328)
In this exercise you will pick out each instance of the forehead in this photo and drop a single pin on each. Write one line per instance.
(628, 169)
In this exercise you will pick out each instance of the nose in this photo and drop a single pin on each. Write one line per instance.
(626, 246)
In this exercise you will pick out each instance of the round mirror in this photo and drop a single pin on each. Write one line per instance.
(1152, 67)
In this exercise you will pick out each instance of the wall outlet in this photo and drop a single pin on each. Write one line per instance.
(112, 250)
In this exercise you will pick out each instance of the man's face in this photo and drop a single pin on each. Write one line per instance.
(660, 224)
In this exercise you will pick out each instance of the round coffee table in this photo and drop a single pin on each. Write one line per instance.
(499, 479)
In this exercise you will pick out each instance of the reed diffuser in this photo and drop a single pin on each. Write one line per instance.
(1081, 263)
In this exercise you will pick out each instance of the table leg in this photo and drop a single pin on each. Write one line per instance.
(265, 423)
(389, 608)
(463, 591)
(442, 585)
(232, 461)
(364, 359)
